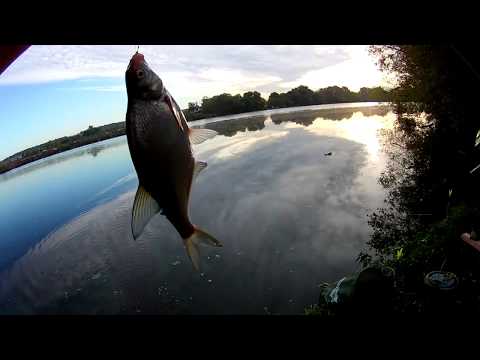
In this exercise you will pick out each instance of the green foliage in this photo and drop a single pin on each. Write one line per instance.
(90, 131)
(227, 104)
(312, 310)
(252, 101)
(223, 104)
(399, 254)
(431, 197)
(302, 96)
(276, 100)
(335, 94)
(373, 94)
(88, 136)
(437, 79)
(193, 107)
(322, 310)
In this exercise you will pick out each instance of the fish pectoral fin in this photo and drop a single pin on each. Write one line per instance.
(197, 136)
(192, 243)
(144, 208)
(199, 166)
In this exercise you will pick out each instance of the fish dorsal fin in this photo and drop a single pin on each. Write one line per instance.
(144, 208)
(199, 166)
(197, 136)
(171, 104)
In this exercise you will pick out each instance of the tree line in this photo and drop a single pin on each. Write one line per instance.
(433, 197)
(227, 104)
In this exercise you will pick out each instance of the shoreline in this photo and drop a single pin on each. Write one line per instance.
(63, 144)
(110, 131)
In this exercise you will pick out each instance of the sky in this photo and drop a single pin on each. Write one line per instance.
(59, 90)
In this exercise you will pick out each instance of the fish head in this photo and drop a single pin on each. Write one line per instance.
(141, 81)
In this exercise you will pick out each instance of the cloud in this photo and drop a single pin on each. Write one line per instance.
(357, 71)
(112, 88)
(193, 71)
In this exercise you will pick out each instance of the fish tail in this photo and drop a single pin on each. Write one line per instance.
(192, 243)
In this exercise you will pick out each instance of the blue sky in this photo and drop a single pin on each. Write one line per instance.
(54, 91)
(35, 113)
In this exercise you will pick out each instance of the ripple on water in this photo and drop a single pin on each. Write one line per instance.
(278, 205)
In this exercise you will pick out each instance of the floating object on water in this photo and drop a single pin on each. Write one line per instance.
(441, 280)
(328, 154)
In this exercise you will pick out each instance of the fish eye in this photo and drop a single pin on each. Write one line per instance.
(140, 74)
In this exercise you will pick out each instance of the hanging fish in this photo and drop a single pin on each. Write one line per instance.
(159, 141)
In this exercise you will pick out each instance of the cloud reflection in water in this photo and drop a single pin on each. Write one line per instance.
(289, 218)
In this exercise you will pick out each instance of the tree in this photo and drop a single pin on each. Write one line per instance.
(301, 96)
(90, 131)
(225, 104)
(276, 100)
(431, 150)
(440, 83)
(253, 101)
(193, 107)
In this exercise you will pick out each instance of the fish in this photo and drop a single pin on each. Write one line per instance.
(160, 144)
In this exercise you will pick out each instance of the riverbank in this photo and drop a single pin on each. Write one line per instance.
(89, 136)
(105, 132)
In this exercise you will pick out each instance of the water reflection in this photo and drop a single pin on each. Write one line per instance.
(37, 198)
(289, 217)
(93, 149)
(230, 128)
(356, 128)
(305, 117)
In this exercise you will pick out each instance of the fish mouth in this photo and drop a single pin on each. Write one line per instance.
(136, 62)
(142, 81)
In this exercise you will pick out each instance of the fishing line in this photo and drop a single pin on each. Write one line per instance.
(467, 63)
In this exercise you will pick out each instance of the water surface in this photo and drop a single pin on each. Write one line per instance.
(289, 217)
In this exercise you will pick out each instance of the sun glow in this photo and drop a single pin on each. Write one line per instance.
(360, 128)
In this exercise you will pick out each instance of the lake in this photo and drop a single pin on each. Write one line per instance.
(289, 217)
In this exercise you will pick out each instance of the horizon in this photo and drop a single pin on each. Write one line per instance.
(201, 119)
(56, 91)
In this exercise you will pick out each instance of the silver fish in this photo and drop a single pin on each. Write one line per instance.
(159, 141)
